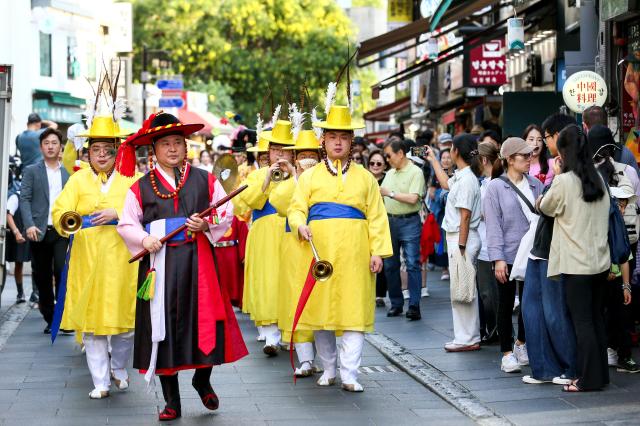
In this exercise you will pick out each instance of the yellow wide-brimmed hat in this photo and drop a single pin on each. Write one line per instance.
(339, 118)
(104, 128)
(306, 141)
(261, 146)
(280, 134)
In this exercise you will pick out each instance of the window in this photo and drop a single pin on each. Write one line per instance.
(91, 73)
(73, 66)
(45, 54)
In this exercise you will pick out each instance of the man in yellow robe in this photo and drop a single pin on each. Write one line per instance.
(261, 266)
(338, 204)
(98, 301)
(296, 252)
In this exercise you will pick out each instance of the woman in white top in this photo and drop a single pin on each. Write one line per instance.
(580, 252)
(461, 220)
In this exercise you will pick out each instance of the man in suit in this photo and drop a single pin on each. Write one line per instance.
(41, 184)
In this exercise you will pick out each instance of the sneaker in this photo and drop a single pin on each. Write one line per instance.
(20, 298)
(562, 380)
(627, 365)
(405, 294)
(612, 357)
(424, 292)
(533, 381)
(520, 351)
(34, 298)
(516, 303)
(380, 302)
(456, 347)
(444, 276)
(510, 364)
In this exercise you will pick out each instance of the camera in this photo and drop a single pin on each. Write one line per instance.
(419, 151)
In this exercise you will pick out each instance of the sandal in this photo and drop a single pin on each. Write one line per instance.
(573, 387)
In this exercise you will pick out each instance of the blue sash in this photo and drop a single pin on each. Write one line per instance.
(264, 211)
(321, 211)
(62, 290)
(170, 225)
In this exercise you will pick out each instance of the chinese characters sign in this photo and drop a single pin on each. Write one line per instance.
(400, 11)
(485, 64)
(584, 89)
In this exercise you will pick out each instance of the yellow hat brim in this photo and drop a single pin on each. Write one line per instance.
(90, 136)
(328, 126)
(268, 135)
(256, 149)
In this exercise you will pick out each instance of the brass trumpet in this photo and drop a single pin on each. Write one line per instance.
(70, 222)
(322, 269)
(277, 175)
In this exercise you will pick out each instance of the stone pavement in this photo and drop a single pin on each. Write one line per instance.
(505, 393)
(41, 384)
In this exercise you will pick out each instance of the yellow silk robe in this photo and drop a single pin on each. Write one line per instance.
(293, 270)
(262, 257)
(101, 285)
(346, 301)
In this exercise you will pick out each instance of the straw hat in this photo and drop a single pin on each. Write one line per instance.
(306, 141)
(104, 128)
(280, 134)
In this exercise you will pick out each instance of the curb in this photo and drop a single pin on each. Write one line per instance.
(11, 320)
(438, 382)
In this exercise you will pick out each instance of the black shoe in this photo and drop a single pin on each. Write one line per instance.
(47, 329)
(20, 298)
(413, 313)
(34, 297)
(394, 312)
(380, 302)
(627, 365)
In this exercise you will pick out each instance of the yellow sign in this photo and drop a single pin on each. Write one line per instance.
(400, 11)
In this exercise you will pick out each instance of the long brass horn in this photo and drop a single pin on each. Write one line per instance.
(322, 269)
(70, 222)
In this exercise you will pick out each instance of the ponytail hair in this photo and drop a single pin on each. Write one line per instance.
(499, 167)
(467, 149)
(576, 156)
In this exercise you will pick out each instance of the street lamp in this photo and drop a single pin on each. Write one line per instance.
(161, 60)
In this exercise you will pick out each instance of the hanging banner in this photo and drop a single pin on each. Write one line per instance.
(584, 89)
(400, 11)
(630, 91)
(515, 33)
(485, 65)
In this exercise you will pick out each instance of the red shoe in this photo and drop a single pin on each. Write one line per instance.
(210, 401)
(168, 414)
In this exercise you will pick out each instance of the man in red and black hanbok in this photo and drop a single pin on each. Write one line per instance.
(184, 319)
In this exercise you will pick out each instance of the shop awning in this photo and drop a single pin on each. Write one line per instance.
(187, 116)
(417, 28)
(450, 11)
(60, 98)
(534, 11)
(382, 113)
(380, 135)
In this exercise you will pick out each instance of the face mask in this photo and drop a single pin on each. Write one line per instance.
(307, 163)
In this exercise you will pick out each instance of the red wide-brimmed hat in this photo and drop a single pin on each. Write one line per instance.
(154, 127)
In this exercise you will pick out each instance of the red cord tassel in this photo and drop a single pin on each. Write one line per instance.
(126, 159)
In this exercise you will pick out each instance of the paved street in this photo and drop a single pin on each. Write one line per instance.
(42, 385)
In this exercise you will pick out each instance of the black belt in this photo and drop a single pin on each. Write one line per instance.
(403, 216)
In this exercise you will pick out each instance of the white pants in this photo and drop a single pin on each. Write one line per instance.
(304, 352)
(271, 333)
(97, 352)
(350, 354)
(466, 316)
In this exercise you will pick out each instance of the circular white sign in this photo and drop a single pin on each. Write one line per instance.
(584, 89)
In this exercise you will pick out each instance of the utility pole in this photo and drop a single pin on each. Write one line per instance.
(144, 78)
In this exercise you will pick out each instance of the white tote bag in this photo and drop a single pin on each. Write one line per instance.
(463, 278)
(519, 268)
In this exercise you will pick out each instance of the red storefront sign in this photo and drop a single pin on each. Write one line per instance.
(486, 64)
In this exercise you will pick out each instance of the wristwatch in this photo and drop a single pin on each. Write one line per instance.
(392, 194)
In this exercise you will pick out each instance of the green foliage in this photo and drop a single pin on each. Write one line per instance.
(247, 45)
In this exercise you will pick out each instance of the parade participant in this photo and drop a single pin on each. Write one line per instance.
(292, 276)
(183, 317)
(339, 205)
(98, 288)
(261, 275)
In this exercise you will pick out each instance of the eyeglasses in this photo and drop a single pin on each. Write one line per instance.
(376, 163)
(547, 136)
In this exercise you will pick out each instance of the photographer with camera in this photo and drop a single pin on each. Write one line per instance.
(403, 189)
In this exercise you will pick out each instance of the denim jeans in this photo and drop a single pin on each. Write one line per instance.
(405, 234)
(551, 339)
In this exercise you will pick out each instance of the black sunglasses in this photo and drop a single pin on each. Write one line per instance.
(376, 163)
